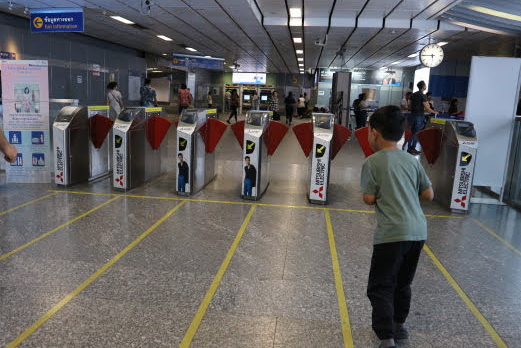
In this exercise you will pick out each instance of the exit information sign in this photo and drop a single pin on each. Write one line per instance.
(57, 20)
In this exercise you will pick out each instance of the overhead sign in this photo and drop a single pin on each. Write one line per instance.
(7, 55)
(55, 20)
(183, 60)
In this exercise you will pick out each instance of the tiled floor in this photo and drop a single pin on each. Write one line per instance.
(214, 274)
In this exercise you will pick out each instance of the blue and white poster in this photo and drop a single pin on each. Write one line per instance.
(57, 20)
(25, 91)
(183, 60)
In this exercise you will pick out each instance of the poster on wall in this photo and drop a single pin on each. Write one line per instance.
(25, 94)
(384, 77)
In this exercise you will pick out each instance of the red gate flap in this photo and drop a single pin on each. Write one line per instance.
(157, 127)
(408, 135)
(212, 131)
(274, 135)
(430, 140)
(238, 130)
(362, 135)
(99, 128)
(304, 134)
(340, 136)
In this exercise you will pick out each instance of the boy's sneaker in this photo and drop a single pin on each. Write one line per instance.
(400, 332)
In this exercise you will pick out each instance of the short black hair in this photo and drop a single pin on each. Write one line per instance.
(389, 121)
(183, 86)
(247, 157)
(112, 85)
(420, 84)
(148, 81)
(428, 94)
(180, 154)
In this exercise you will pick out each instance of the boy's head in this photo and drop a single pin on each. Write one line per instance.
(386, 125)
(247, 160)
(180, 157)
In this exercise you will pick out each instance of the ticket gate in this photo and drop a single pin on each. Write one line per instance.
(324, 139)
(101, 120)
(259, 137)
(448, 156)
(138, 134)
(197, 137)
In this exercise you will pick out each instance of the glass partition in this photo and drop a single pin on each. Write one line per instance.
(513, 184)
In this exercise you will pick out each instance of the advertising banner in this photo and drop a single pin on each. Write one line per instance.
(182, 60)
(57, 20)
(320, 167)
(184, 157)
(7, 55)
(251, 156)
(463, 175)
(25, 94)
(119, 139)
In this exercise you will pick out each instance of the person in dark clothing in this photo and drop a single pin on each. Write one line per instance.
(182, 177)
(234, 105)
(453, 108)
(250, 177)
(290, 107)
(419, 105)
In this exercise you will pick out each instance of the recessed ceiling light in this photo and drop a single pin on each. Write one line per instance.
(443, 43)
(191, 49)
(297, 39)
(295, 22)
(300, 59)
(301, 65)
(398, 62)
(122, 20)
(383, 68)
(157, 71)
(494, 13)
(295, 12)
(208, 56)
(413, 55)
(166, 38)
(300, 51)
(164, 54)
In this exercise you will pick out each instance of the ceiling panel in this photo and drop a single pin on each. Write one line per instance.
(437, 8)
(379, 8)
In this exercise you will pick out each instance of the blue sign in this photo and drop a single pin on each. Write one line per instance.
(56, 20)
(37, 138)
(182, 60)
(15, 137)
(7, 55)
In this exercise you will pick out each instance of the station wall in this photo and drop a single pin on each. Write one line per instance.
(79, 66)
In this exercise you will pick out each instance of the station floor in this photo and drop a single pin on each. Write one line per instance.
(88, 266)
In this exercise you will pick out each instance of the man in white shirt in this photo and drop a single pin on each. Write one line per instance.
(405, 105)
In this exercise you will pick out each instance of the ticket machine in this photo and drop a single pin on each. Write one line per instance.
(138, 135)
(448, 156)
(259, 137)
(321, 138)
(197, 137)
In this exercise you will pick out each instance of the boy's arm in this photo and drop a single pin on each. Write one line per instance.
(427, 195)
(369, 199)
(368, 184)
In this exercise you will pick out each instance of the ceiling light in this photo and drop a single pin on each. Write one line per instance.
(164, 54)
(295, 12)
(494, 13)
(122, 20)
(191, 49)
(208, 56)
(295, 22)
(151, 68)
(300, 59)
(398, 62)
(443, 43)
(301, 65)
(166, 38)
(157, 71)
(383, 68)
(26, 10)
(300, 51)
(297, 40)
(413, 55)
(10, 6)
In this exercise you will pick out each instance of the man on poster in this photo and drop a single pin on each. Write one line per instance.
(7, 149)
(250, 177)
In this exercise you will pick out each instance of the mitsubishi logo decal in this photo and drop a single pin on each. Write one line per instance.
(319, 191)
(120, 180)
(60, 176)
(461, 201)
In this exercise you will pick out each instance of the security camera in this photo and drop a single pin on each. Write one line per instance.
(319, 42)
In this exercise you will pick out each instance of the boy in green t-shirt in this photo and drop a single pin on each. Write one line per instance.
(395, 182)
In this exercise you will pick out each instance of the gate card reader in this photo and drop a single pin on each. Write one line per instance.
(138, 135)
(197, 137)
(323, 139)
(71, 145)
(449, 153)
(259, 137)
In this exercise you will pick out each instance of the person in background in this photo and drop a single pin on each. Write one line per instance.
(227, 100)
(419, 105)
(255, 101)
(290, 103)
(405, 104)
(114, 97)
(209, 100)
(395, 183)
(184, 98)
(364, 107)
(10, 152)
(356, 110)
(428, 115)
(148, 94)
(453, 108)
(234, 105)
(274, 105)
(306, 98)
(301, 106)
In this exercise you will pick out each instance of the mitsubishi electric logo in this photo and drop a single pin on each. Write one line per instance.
(250, 147)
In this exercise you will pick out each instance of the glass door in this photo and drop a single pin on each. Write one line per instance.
(513, 184)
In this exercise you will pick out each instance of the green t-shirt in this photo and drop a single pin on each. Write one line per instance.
(396, 178)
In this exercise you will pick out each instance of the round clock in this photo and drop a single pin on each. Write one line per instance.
(431, 55)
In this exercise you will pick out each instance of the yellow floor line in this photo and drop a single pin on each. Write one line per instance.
(6, 255)
(490, 329)
(342, 305)
(192, 329)
(510, 246)
(86, 283)
(26, 204)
